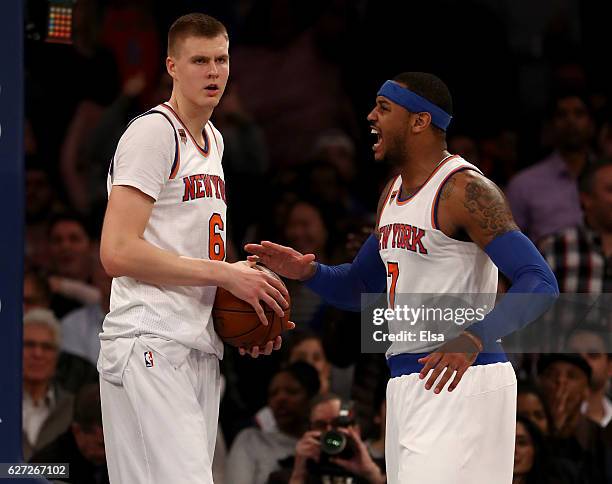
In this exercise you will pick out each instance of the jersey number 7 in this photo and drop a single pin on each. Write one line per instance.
(393, 273)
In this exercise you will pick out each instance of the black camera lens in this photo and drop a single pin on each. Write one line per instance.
(337, 444)
(333, 442)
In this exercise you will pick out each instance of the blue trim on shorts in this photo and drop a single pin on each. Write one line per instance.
(406, 363)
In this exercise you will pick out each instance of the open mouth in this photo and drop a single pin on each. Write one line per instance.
(212, 88)
(378, 137)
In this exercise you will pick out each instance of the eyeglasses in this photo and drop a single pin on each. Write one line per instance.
(47, 347)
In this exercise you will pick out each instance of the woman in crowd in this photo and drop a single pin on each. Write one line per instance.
(255, 452)
(530, 404)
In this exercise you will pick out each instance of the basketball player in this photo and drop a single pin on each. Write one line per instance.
(163, 241)
(442, 228)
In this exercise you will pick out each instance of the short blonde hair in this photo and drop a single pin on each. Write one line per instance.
(44, 317)
(196, 25)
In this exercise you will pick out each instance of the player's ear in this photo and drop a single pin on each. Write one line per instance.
(171, 67)
(421, 121)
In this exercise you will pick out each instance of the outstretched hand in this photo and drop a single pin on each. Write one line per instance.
(285, 261)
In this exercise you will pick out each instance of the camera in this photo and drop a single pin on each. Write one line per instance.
(337, 444)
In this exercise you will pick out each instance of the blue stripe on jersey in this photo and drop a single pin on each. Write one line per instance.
(407, 363)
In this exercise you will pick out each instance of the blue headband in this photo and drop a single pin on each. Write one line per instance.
(415, 103)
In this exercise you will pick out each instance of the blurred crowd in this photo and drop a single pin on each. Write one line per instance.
(532, 109)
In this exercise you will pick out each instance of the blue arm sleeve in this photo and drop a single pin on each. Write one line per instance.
(533, 291)
(342, 285)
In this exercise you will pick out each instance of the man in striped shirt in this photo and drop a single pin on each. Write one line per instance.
(581, 256)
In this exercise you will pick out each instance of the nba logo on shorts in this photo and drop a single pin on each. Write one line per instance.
(148, 359)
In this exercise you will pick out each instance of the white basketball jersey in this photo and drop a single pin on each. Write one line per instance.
(159, 156)
(420, 258)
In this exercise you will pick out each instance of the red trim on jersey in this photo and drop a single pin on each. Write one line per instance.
(442, 163)
(434, 205)
(203, 151)
(386, 201)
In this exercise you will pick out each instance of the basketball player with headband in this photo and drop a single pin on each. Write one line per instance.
(442, 228)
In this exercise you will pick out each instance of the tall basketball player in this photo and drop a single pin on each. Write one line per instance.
(163, 241)
(442, 228)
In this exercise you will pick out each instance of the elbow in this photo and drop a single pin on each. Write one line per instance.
(555, 289)
(549, 289)
(111, 261)
(552, 285)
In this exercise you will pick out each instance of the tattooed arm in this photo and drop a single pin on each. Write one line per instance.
(472, 204)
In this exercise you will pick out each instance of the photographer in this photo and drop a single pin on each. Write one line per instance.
(322, 455)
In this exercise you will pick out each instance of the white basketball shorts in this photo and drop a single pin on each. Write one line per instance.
(461, 437)
(160, 421)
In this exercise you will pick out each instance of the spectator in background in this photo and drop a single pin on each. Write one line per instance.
(255, 453)
(591, 342)
(245, 160)
(532, 461)
(581, 256)
(81, 327)
(82, 445)
(305, 346)
(73, 367)
(323, 183)
(74, 163)
(70, 264)
(41, 203)
(527, 452)
(47, 407)
(306, 231)
(531, 404)
(36, 291)
(544, 198)
(312, 466)
(575, 439)
(337, 148)
(245, 151)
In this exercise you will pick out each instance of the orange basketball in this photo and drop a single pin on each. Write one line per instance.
(237, 323)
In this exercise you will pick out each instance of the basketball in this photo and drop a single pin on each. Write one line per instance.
(237, 323)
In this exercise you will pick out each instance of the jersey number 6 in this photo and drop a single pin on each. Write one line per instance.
(216, 246)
